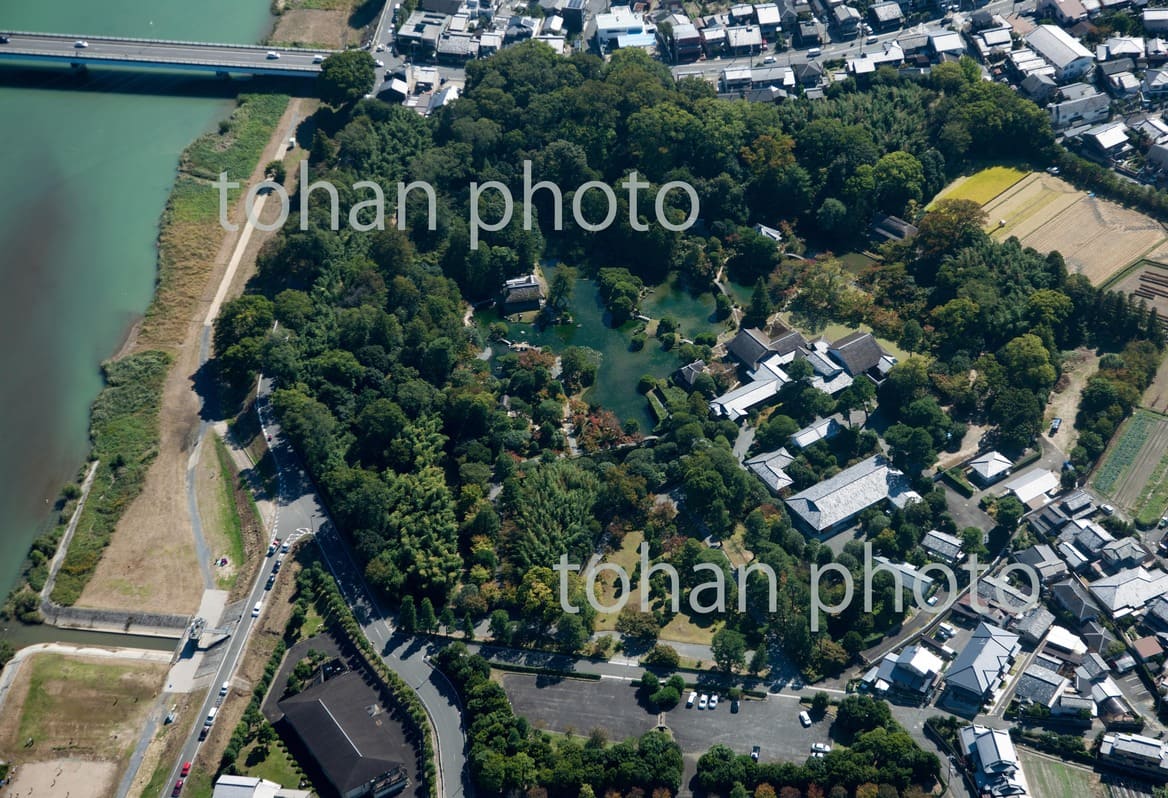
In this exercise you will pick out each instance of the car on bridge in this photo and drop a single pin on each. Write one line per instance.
(273, 55)
(3, 38)
(81, 44)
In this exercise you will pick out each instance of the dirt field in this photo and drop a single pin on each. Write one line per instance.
(68, 778)
(70, 722)
(317, 23)
(1097, 237)
(150, 561)
(1050, 778)
(1064, 403)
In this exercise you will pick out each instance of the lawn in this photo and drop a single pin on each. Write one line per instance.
(1050, 778)
(1123, 453)
(83, 707)
(275, 766)
(230, 523)
(626, 557)
(983, 186)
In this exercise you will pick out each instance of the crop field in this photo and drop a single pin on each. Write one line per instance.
(1050, 778)
(983, 186)
(1129, 469)
(1098, 238)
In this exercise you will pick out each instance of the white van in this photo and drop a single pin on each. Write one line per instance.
(224, 688)
(814, 52)
(255, 611)
(210, 716)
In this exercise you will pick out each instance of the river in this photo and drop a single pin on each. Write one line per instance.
(87, 163)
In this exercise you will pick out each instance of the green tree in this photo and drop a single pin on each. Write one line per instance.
(760, 307)
(427, 621)
(346, 77)
(729, 649)
(407, 616)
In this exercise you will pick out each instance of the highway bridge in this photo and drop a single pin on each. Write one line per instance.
(223, 59)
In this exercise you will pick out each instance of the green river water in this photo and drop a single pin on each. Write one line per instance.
(86, 165)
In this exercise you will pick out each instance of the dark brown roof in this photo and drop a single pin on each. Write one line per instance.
(857, 352)
(341, 722)
(749, 345)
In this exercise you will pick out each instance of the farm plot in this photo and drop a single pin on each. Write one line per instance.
(1096, 237)
(1133, 459)
(1050, 778)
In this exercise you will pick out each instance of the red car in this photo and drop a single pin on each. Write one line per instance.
(186, 769)
(178, 785)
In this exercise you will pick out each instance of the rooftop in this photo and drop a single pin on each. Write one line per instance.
(980, 664)
(837, 499)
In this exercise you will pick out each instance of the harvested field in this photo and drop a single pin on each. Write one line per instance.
(1097, 237)
(1050, 778)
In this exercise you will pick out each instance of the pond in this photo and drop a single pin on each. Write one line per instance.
(616, 379)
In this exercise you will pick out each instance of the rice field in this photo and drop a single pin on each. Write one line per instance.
(983, 186)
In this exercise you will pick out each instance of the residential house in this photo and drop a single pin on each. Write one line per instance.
(1034, 625)
(997, 769)
(829, 506)
(1039, 686)
(1070, 59)
(906, 575)
(1048, 565)
(942, 547)
(990, 467)
(1108, 140)
(1134, 753)
(744, 40)
(885, 16)
(986, 657)
(769, 19)
(1155, 84)
(1032, 487)
(912, 673)
(1065, 12)
(1075, 599)
(847, 20)
(618, 21)
(1155, 19)
(1129, 591)
(810, 73)
(859, 353)
(946, 44)
(1125, 553)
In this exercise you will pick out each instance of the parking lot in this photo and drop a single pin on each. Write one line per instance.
(580, 706)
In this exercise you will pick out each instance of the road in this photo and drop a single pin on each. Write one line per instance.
(249, 59)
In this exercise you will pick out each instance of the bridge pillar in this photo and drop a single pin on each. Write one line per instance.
(78, 67)
(223, 75)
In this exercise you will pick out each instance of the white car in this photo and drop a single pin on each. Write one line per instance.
(804, 718)
(318, 58)
(820, 748)
(692, 698)
(255, 611)
(81, 44)
(273, 55)
(379, 64)
(704, 701)
(713, 701)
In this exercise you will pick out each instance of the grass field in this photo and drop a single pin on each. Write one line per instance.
(1050, 778)
(76, 707)
(983, 186)
(1154, 498)
(230, 523)
(626, 557)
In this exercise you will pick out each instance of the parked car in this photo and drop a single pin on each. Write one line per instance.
(1107, 509)
(754, 751)
(713, 701)
(1055, 424)
(692, 698)
(821, 748)
(804, 718)
(704, 701)
(1163, 522)
(734, 706)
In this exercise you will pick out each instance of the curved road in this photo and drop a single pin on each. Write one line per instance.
(299, 509)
